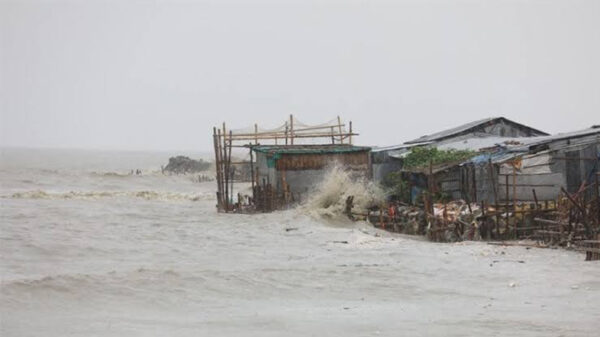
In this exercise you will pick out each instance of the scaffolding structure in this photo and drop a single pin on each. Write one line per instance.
(292, 132)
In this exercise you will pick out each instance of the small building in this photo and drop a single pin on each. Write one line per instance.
(479, 133)
(526, 169)
(286, 162)
(296, 169)
(523, 169)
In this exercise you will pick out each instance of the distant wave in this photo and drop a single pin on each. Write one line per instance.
(95, 195)
(83, 282)
(113, 174)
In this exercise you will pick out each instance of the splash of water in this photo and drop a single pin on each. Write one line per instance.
(329, 198)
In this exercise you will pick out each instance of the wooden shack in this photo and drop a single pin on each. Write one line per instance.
(285, 162)
(469, 136)
(297, 169)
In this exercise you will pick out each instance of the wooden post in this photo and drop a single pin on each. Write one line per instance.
(216, 146)
(497, 220)
(255, 133)
(292, 129)
(350, 134)
(340, 129)
(536, 207)
(488, 229)
(431, 187)
(506, 199)
(474, 185)
(332, 137)
(515, 197)
(220, 169)
(596, 195)
(225, 169)
(252, 167)
(493, 181)
(229, 171)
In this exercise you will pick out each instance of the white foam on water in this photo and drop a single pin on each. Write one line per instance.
(329, 197)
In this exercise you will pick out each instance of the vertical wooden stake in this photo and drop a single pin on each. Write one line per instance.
(292, 129)
(340, 129)
(474, 185)
(332, 138)
(493, 181)
(229, 171)
(350, 134)
(255, 134)
(252, 167)
(515, 197)
(216, 146)
(220, 171)
(506, 200)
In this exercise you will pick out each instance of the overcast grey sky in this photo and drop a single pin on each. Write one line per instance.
(159, 74)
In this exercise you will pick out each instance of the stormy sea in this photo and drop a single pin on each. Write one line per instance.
(90, 249)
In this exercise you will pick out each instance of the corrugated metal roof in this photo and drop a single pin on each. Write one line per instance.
(466, 127)
(397, 147)
(478, 143)
(509, 152)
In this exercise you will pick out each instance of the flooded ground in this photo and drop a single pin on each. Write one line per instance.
(87, 249)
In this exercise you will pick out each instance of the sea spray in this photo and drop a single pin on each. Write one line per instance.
(329, 197)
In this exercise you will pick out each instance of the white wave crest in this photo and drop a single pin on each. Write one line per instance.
(95, 195)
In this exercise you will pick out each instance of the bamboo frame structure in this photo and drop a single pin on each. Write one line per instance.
(225, 140)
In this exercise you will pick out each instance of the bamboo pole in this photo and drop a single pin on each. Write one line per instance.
(474, 186)
(292, 129)
(229, 174)
(282, 135)
(340, 129)
(226, 171)
(514, 175)
(350, 134)
(597, 196)
(493, 181)
(506, 199)
(332, 138)
(229, 167)
(252, 168)
(220, 169)
(255, 134)
(216, 147)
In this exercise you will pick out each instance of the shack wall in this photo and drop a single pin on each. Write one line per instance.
(263, 171)
(303, 172)
(563, 163)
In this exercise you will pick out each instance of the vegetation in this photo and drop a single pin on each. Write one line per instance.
(421, 157)
(397, 187)
(396, 183)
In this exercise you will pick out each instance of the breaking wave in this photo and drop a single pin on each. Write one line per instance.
(113, 174)
(329, 198)
(77, 283)
(95, 195)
